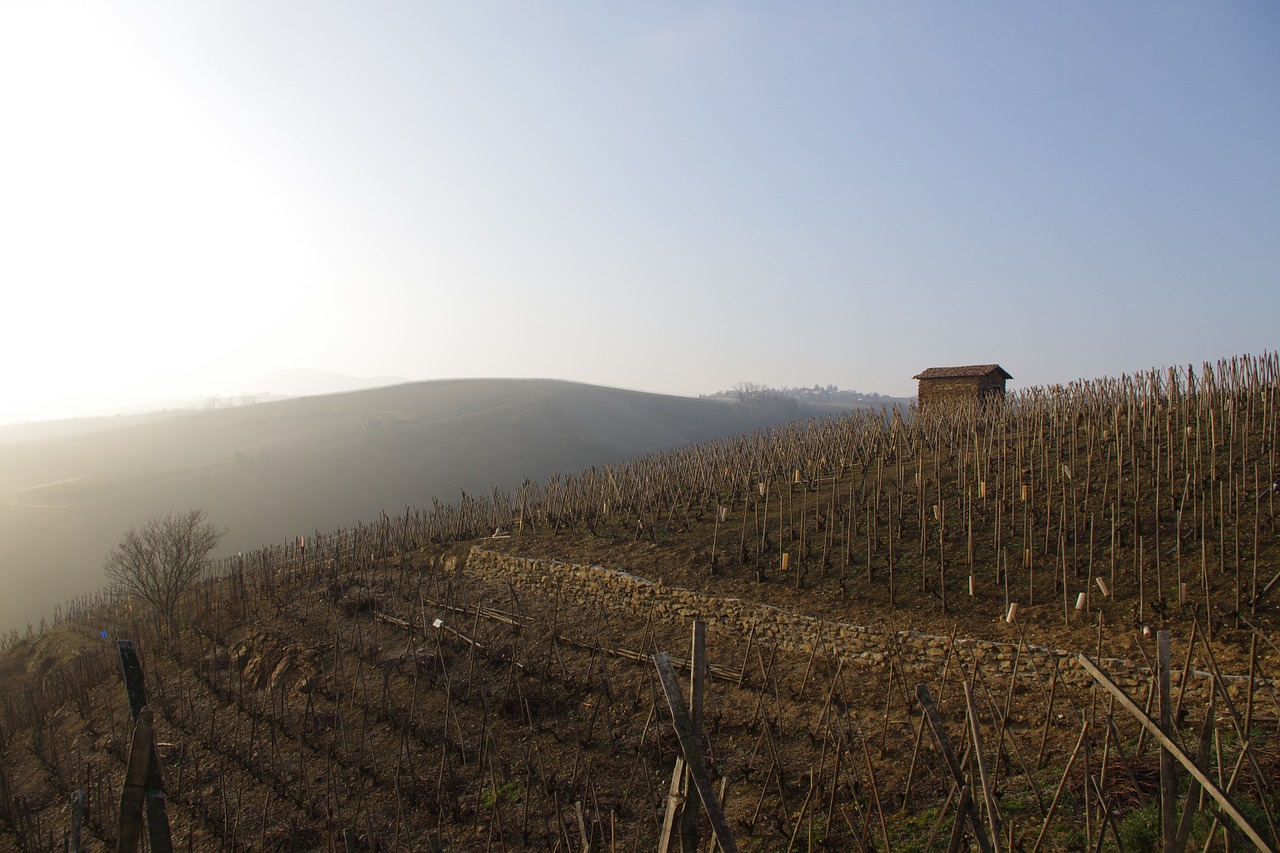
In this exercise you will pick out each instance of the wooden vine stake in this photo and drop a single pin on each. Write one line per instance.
(1168, 772)
(691, 749)
(697, 690)
(143, 786)
(77, 821)
(993, 813)
(968, 808)
(1150, 725)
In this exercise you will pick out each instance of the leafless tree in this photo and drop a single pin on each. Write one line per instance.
(159, 560)
(748, 391)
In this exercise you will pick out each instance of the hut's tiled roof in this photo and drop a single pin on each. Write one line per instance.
(968, 371)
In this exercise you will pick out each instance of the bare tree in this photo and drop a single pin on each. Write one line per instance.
(748, 391)
(158, 561)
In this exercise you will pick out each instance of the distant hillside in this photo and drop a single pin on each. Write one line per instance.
(274, 470)
(82, 413)
(304, 382)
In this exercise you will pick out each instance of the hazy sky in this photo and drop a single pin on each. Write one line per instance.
(672, 197)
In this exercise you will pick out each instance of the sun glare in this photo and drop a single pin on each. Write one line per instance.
(136, 224)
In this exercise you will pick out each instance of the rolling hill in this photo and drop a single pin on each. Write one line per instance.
(275, 470)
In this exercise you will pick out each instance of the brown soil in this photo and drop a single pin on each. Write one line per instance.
(293, 712)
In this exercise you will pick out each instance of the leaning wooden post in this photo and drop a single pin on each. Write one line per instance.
(1228, 807)
(77, 821)
(1192, 801)
(1231, 785)
(1062, 784)
(697, 691)
(133, 793)
(953, 766)
(675, 800)
(157, 817)
(1168, 773)
(993, 814)
(691, 748)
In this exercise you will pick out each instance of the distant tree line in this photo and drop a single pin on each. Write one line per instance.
(753, 393)
(214, 401)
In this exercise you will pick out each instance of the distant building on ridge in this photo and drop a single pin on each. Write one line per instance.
(970, 382)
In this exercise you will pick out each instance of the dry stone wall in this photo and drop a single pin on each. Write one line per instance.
(922, 655)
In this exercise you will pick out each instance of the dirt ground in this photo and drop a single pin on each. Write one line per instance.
(330, 707)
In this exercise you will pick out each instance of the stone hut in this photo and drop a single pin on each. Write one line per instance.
(970, 382)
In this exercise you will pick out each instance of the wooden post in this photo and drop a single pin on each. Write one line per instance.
(1253, 668)
(133, 793)
(1191, 802)
(993, 814)
(1185, 760)
(953, 766)
(77, 821)
(691, 748)
(1186, 671)
(1168, 774)
(157, 817)
(1062, 784)
(804, 809)
(697, 690)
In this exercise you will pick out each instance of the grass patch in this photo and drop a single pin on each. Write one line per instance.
(504, 794)
(1140, 830)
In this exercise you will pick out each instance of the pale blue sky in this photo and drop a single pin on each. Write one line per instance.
(672, 197)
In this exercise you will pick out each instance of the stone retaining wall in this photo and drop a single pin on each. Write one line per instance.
(922, 655)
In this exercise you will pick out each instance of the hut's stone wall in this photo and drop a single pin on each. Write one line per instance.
(960, 388)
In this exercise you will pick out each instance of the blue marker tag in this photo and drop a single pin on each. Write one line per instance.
(104, 635)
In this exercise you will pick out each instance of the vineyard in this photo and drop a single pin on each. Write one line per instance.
(1044, 625)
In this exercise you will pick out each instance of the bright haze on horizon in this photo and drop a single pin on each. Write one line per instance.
(670, 197)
